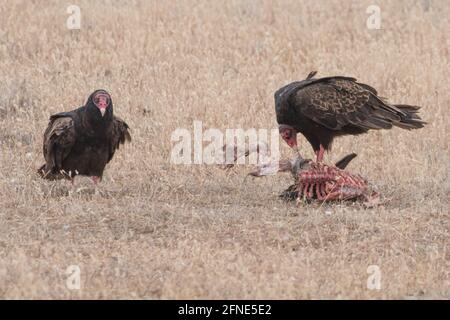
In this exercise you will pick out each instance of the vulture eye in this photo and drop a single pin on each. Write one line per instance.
(286, 134)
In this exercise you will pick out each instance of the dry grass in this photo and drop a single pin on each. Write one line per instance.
(157, 230)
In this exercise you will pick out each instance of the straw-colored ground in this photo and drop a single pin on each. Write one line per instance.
(157, 230)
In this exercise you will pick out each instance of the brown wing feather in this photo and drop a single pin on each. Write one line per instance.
(59, 137)
(120, 135)
(336, 103)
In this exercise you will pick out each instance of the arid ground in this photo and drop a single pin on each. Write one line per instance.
(157, 230)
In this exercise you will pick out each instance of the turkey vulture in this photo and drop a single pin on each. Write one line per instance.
(324, 108)
(83, 141)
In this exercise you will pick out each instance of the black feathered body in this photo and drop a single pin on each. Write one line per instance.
(325, 108)
(81, 142)
(90, 151)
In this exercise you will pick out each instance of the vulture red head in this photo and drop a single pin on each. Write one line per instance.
(101, 102)
(289, 135)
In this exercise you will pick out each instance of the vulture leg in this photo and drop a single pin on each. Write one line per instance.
(96, 180)
(319, 154)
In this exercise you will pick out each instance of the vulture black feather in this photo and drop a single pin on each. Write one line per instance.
(324, 108)
(83, 141)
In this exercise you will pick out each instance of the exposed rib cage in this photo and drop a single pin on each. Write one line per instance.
(326, 183)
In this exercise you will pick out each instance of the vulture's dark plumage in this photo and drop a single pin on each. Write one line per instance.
(83, 141)
(324, 108)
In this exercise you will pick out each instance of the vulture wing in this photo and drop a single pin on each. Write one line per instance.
(119, 135)
(284, 95)
(336, 102)
(59, 138)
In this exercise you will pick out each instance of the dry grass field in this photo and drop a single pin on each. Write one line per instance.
(155, 230)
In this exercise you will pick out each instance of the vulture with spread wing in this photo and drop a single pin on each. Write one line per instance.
(324, 108)
(83, 141)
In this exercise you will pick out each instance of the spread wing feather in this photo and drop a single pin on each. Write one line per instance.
(335, 102)
(59, 137)
(120, 135)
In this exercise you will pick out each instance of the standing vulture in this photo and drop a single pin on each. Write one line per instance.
(83, 141)
(324, 108)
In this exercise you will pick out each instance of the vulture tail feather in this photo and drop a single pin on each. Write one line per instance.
(410, 120)
(378, 123)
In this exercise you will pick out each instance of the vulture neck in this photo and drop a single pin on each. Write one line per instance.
(95, 123)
